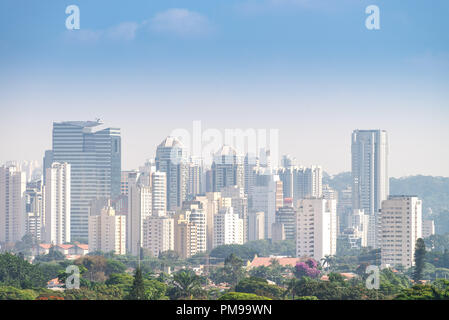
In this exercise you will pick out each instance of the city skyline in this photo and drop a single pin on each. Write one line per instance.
(308, 68)
(328, 169)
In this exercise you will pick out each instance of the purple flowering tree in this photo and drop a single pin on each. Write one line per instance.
(307, 269)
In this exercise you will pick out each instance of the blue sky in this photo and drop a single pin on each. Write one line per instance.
(308, 68)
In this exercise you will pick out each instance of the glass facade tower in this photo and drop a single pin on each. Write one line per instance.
(94, 154)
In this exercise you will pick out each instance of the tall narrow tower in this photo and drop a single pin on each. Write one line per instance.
(370, 181)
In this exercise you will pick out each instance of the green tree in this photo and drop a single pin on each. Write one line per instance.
(259, 287)
(12, 293)
(114, 266)
(19, 273)
(186, 284)
(241, 296)
(292, 286)
(138, 288)
(420, 253)
(234, 268)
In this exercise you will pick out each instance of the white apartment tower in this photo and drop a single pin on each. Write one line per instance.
(159, 192)
(316, 229)
(12, 204)
(140, 206)
(198, 218)
(107, 232)
(158, 234)
(228, 227)
(57, 203)
(400, 227)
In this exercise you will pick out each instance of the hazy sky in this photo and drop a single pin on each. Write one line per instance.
(309, 68)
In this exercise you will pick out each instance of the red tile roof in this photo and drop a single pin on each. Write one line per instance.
(266, 261)
(83, 246)
(65, 246)
(347, 276)
(45, 245)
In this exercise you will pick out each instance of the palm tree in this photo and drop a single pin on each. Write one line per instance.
(187, 284)
(328, 261)
(291, 289)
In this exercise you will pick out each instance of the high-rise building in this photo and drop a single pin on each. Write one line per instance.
(211, 203)
(359, 224)
(251, 163)
(185, 236)
(57, 204)
(227, 169)
(140, 207)
(239, 203)
(287, 217)
(107, 232)
(124, 182)
(228, 228)
(277, 232)
(35, 205)
(369, 169)
(428, 228)
(256, 225)
(286, 176)
(195, 177)
(171, 158)
(12, 204)
(267, 196)
(370, 181)
(159, 192)
(307, 182)
(47, 161)
(400, 227)
(197, 217)
(344, 209)
(316, 230)
(94, 154)
(158, 234)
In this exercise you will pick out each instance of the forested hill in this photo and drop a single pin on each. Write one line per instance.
(434, 191)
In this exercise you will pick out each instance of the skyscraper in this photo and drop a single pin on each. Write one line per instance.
(307, 182)
(140, 204)
(94, 154)
(12, 204)
(57, 204)
(227, 169)
(195, 177)
(171, 158)
(370, 184)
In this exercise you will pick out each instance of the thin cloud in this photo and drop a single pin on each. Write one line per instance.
(180, 22)
(125, 31)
